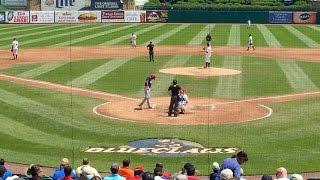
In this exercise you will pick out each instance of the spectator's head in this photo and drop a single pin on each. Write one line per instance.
(126, 163)
(191, 170)
(180, 177)
(138, 171)
(2, 170)
(159, 164)
(185, 167)
(281, 173)
(147, 176)
(35, 171)
(67, 171)
(242, 157)
(85, 161)
(114, 168)
(96, 178)
(226, 174)
(157, 171)
(266, 177)
(215, 166)
(64, 162)
(296, 177)
(174, 82)
(2, 161)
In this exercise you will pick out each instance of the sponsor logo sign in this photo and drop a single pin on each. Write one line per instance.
(163, 147)
(65, 16)
(157, 16)
(14, 2)
(305, 17)
(2, 17)
(77, 16)
(283, 17)
(41, 17)
(112, 16)
(89, 16)
(135, 16)
(106, 4)
(17, 16)
(64, 5)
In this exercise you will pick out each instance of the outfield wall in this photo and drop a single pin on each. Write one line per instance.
(160, 16)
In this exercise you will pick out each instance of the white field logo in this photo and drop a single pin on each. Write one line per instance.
(163, 147)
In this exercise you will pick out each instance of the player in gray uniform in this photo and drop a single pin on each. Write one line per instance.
(250, 42)
(147, 91)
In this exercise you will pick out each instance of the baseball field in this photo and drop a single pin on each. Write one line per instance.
(75, 87)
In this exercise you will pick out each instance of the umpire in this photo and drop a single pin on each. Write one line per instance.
(173, 90)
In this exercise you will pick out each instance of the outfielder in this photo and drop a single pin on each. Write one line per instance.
(248, 23)
(207, 55)
(133, 40)
(182, 100)
(250, 43)
(147, 91)
(14, 48)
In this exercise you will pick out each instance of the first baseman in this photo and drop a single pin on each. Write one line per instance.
(14, 48)
(147, 91)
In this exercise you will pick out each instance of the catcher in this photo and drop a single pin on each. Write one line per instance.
(14, 48)
(182, 100)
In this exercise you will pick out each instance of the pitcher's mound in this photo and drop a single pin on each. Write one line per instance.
(200, 71)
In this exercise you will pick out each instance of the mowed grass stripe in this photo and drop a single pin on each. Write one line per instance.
(199, 38)
(234, 37)
(163, 80)
(220, 35)
(42, 69)
(167, 34)
(96, 34)
(164, 36)
(285, 37)
(27, 36)
(24, 29)
(127, 36)
(83, 28)
(230, 86)
(99, 72)
(271, 40)
(308, 41)
(258, 39)
(26, 133)
(297, 78)
(310, 32)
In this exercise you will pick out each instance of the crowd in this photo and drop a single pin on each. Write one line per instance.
(230, 169)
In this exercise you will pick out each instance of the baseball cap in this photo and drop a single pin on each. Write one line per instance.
(296, 177)
(215, 166)
(242, 154)
(64, 161)
(226, 174)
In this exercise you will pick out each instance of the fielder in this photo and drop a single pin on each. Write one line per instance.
(207, 55)
(14, 48)
(182, 100)
(250, 43)
(147, 91)
(133, 40)
(248, 23)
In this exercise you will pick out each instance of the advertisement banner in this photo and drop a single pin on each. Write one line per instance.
(64, 5)
(66, 16)
(41, 17)
(157, 16)
(89, 16)
(305, 17)
(2, 17)
(14, 2)
(135, 16)
(106, 4)
(281, 17)
(112, 16)
(17, 16)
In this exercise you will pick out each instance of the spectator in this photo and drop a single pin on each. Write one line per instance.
(124, 170)
(59, 172)
(114, 169)
(266, 177)
(147, 176)
(34, 172)
(185, 167)
(191, 172)
(6, 173)
(180, 177)
(215, 175)
(138, 171)
(158, 173)
(165, 174)
(226, 174)
(233, 163)
(67, 173)
(281, 174)
(296, 177)
(86, 170)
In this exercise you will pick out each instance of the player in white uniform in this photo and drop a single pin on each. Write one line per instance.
(14, 48)
(248, 23)
(207, 55)
(250, 42)
(133, 40)
(147, 91)
(182, 101)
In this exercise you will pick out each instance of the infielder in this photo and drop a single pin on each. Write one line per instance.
(250, 43)
(207, 55)
(133, 40)
(14, 48)
(182, 100)
(147, 91)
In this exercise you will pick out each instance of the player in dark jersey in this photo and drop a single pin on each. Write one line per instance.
(150, 48)
(173, 90)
